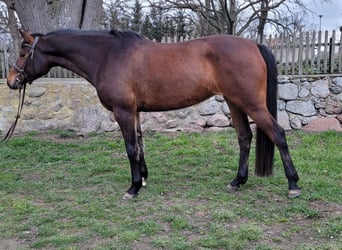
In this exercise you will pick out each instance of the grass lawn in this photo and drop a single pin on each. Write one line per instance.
(61, 191)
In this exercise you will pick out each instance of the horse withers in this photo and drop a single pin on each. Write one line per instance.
(132, 74)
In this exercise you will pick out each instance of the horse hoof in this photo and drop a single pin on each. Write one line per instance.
(128, 196)
(294, 193)
(143, 182)
(232, 188)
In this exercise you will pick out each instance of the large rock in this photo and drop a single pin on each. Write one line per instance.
(303, 92)
(304, 108)
(209, 107)
(338, 81)
(218, 120)
(283, 120)
(36, 92)
(320, 88)
(225, 109)
(335, 90)
(296, 123)
(323, 124)
(281, 105)
(333, 106)
(283, 79)
(89, 119)
(287, 91)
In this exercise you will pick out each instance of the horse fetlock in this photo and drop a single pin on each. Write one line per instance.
(135, 187)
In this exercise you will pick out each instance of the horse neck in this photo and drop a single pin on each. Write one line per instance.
(81, 55)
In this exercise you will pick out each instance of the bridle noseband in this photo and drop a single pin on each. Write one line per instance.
(22, 74)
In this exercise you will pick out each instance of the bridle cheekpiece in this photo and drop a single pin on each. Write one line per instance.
(21, 70)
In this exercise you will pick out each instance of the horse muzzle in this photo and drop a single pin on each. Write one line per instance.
(15, 81)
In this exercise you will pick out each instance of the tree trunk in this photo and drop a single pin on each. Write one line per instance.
(47, 15)
(92, 16)
(13, 25)
(264, 8)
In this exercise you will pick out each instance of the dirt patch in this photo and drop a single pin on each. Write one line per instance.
(301, 230)
(12, 244)
(327, 208)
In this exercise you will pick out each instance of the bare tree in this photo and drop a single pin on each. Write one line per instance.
(213, 16)
(237, 16)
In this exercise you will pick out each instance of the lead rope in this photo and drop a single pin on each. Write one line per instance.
(20, 108)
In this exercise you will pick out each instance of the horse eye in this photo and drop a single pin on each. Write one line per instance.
(22, 53)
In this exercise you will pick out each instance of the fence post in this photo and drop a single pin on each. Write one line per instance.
(332, 53)
(287, 53)
(319, 45)
(300, 54)
(340, 54)
(326, 55)
(312, 56)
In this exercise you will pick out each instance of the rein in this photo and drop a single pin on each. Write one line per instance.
(21, 76)
(20, 108)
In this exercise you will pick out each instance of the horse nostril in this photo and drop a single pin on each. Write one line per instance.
(12, 84)
(9, 84)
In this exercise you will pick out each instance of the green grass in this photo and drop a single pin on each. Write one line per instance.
(60, 191)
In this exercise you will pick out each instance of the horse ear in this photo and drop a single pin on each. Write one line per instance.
(27, 36)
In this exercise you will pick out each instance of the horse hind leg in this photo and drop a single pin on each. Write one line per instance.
(276, 133)
(244, 133)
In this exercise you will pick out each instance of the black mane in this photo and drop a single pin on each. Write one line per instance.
(126, 34)
(116, 33)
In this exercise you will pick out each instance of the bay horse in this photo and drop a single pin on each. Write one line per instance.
(132, 74)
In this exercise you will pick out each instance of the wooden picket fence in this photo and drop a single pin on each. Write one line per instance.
(307, 53)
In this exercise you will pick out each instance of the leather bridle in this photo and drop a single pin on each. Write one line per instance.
(21, 70)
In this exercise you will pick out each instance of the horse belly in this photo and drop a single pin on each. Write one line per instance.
(179, 94)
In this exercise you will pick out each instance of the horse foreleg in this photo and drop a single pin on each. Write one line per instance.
(244, 133)
(128, 125)
(142, 164)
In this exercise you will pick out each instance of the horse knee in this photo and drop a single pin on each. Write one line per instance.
(133, 153)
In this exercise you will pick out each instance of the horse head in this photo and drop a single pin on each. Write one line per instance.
(31, 63)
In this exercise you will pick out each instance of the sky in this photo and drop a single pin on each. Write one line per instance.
(331, 14)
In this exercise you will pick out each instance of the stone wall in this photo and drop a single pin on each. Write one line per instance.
(306, 101)
(73, 104)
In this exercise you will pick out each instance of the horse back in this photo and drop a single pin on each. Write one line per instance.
(161, 76)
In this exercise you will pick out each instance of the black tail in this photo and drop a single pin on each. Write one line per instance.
(264, 146)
